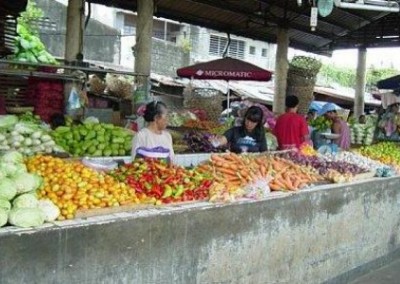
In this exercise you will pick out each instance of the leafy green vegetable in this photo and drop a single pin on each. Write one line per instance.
(50, 210)
(8, 189)
(26, 182)
(13, 157)
(11, 169)
(7, 121)
(26, 217)
(27, 200)
(5, 204)
(3, 217)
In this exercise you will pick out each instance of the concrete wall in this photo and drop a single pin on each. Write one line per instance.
(167, 58)
(322, 235)
(101, 42)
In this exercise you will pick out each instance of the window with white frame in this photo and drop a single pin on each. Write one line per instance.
(218, 44)
(252, 50)
(129, 25)
(264, 52)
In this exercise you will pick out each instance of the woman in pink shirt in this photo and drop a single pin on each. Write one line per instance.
(339, 126)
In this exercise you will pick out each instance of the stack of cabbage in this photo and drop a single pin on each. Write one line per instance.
(362, 134)
(28, 138)
(19, 205)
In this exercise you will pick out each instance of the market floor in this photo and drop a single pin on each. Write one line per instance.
(388, 274)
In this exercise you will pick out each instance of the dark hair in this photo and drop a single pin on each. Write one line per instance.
(153, 109)
(57, 120)
(291, 101)
(255, 114)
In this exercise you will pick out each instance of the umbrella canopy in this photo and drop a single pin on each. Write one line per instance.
(391, 83)
(225, 69)
(328, 107)
(318, 106)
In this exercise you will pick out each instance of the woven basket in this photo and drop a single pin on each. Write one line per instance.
(97, 86)
(302, 76)
(209, 100)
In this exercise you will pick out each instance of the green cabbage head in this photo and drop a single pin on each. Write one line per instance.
(26, 217)
(27, 200)
(3, 217)
(5, 204)
(8, 189)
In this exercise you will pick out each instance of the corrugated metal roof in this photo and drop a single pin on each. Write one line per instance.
(259, 19)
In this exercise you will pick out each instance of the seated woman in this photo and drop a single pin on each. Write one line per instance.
(154, 141)
(249, 137)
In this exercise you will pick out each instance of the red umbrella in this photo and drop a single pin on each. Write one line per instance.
(225, 69)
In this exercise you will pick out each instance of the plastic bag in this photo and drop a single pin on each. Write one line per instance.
(74, 101)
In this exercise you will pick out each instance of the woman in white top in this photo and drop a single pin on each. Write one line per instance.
(154, 141)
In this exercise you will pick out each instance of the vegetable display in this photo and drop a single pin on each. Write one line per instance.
(238, 176)
(380, 169)
(321, 123)
(94, 139)
(324, 167)
(29, 48)
(19, 204)
(26, 137)
(163, 183)
(199, 142)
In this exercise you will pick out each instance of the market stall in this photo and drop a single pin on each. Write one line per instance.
(71, 196)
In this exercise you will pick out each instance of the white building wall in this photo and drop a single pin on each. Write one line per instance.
(198, 37)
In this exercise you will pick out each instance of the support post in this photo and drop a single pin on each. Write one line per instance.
(360, 82)
(74, 37)
(144, 32)
(281, 70)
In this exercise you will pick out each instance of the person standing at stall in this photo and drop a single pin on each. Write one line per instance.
(291, 129)
(249, 137)
(340, 127)
(154, 141)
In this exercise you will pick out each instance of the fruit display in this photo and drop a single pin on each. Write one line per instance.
(28, 138)
(378, 168)
(163, 183)
(19, 204)
(385, 152)
(338, 171)
(94, 139)
(71, 186)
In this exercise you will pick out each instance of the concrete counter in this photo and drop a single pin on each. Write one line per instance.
(327, 234)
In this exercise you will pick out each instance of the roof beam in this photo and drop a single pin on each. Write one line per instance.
(331, 22)
(251, 14)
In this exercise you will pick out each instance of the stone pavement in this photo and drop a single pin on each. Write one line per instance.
(388, 274)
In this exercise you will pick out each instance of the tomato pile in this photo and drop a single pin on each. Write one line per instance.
(72, 186)
(164, 183)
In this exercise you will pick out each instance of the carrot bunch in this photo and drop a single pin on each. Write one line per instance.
(232, 172)
(287, 176)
